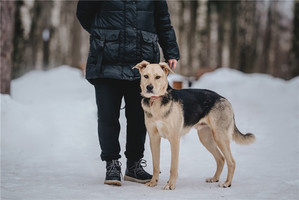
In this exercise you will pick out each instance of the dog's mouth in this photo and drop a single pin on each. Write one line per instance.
(150, 91)
(149, 94)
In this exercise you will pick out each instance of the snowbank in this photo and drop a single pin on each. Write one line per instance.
(49, 144)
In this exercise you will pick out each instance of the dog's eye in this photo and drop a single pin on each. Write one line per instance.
(145, 76)
(157, 77)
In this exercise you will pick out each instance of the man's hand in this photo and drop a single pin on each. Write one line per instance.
(172, 63)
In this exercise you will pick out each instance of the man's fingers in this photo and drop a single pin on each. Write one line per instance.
(172, 63)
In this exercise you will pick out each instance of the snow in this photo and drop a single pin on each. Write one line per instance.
(49, 144)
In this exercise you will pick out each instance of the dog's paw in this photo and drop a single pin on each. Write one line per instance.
(152, 183)
(224, 185)
(169, 186)
(212, 180)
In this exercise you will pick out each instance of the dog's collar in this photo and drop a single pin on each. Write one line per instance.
(153, 98)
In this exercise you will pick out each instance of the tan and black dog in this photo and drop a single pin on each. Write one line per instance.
(171, 113)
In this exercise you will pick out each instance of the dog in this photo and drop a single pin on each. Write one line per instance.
(171, 113)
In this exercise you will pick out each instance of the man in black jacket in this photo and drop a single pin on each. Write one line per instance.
(122, 34)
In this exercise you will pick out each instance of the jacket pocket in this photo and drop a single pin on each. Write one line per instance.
(107, 45)
(96, 49)
(111, 47)
(149, 47)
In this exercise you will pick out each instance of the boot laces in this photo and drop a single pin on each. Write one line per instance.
(139, 166)
(114, 168)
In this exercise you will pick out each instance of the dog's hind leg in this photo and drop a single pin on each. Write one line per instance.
(224, 146)
(221, 121)
(206, 138)
(222, 125)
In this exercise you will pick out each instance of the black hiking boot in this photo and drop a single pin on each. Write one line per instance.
(113, 173)
(136, 173)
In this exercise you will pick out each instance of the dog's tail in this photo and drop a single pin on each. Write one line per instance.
(242, 139)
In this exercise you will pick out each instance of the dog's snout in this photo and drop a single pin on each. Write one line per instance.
(149, 87)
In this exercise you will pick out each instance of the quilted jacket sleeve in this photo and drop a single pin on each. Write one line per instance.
(86, 10)
(166, 34)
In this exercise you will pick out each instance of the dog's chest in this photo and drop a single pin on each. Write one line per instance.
(158, 120)
(167, 119)
(160, 127)
(156, 110)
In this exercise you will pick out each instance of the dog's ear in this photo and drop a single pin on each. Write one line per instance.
(141, 66)
(165, 68)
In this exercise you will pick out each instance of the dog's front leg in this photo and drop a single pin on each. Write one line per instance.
(155, 141)
(175, 146)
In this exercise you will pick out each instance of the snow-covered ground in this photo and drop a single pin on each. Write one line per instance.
(49, 144)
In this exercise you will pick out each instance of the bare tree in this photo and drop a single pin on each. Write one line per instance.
(295, 49)
(7, 9)
(246, 41)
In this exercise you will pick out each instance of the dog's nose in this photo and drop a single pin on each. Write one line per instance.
(149, 87)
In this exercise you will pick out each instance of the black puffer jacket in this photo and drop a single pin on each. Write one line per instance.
(123, 33)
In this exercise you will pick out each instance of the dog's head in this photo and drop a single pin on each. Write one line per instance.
(153, 78)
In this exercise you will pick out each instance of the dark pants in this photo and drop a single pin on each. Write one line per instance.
(109, 93)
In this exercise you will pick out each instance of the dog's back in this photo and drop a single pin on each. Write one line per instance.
(196, 103)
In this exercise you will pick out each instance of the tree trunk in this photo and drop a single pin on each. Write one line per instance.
(203, 34)
(213, 22)
(7, 9)
(295, 48)
(246, 41)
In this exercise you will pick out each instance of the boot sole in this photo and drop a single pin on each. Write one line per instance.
(112, 182)
(128, 178)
